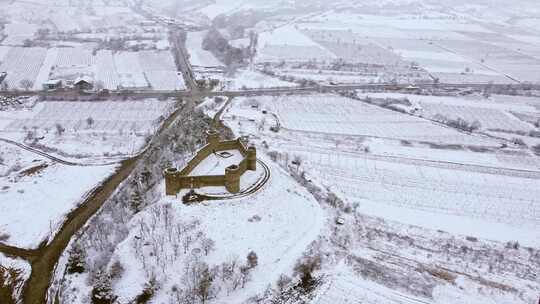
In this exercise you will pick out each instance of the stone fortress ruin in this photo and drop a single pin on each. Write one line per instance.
(176, 180)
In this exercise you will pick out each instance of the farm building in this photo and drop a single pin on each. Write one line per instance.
(83, 83)
(52, 84)
(3, 76)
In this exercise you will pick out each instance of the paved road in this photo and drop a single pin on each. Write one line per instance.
(281, 91)
(181, 57)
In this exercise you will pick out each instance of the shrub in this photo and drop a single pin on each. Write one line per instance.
(102, 292)
(273, 155)
(464, 125)
(4, 236)
(305, 269)
(76, 260)
(208, 245)
(252, 259)
(10, 280)
(283, 282)
(534, 133)
(117, 270)
(519, 142)
(536, 149)
(148, 292)
(512, 245)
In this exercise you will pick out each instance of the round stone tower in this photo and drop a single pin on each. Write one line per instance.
(212, 137)
(172, 184)
(252, 158)
(232, 179)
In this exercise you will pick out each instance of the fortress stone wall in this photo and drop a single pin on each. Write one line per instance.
(176, 180)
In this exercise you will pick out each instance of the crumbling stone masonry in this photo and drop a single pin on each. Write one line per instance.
(176, 180)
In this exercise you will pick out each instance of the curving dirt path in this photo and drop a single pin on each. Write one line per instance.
(52, 157)
(25, 254)
(40, 153)
(250, 190)
(35, 289)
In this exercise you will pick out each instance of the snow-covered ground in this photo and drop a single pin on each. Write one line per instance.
(10, 267)
(457, 191)
(215, 164)
(427, 213)
(289, 44)
(406, 210)
(490, 114)
(510, 117)
(277, 223)
(197, 55)
(88, 129)
(251, 79)
(338, 115)
(34, 206)
(13, 159)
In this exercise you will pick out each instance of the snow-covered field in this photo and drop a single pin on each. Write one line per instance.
(415, 196)
(87, 128)
(143, 70)
(288, 44)
(22, 64)
(401, 184)
(491, 114)
(43, 197)
(251, 79)
(197, 55)
(454, 50)
(55, 40)
(401, 207)
(13, 159)
(339, 115)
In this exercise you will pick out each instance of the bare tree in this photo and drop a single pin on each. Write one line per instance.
(297, 161)
(245, 275)
(536, 149)
(90, 122)
(283, 282)
(200, 281)
(208, 245)
(305, 269)
(186, 242)
(59, 129)
(26, 84)
(4, 86)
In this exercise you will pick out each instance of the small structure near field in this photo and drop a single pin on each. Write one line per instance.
(176, 180)
(83, 83)
(52, 84)
(3, 76)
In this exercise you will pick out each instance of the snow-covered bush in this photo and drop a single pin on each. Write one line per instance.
(252, 259)
(76, 260)
(102, 292)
